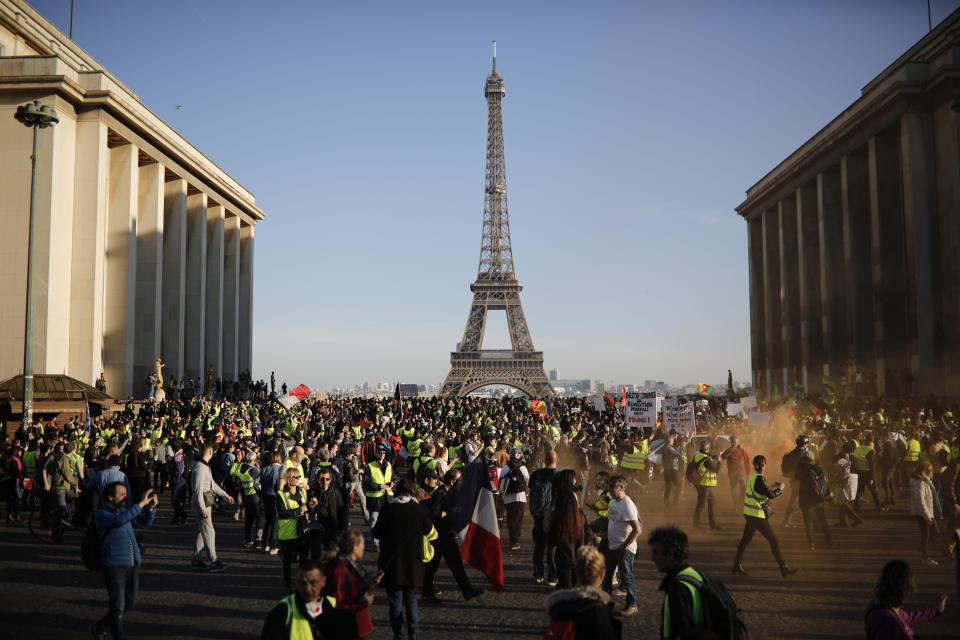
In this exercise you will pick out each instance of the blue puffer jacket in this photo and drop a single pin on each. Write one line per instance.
(118, 546)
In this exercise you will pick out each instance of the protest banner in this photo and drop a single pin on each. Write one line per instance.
(680, 419)
(641, 409)
(748, 402)
(758, 418)
(734, 408)
(597, 403)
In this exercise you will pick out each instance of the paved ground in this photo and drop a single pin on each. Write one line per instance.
(46, 594)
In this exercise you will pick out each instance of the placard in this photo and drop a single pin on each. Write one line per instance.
(641, 409)
(680, 419)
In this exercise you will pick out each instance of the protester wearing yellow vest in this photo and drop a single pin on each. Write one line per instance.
(307, 614)
(864, 463)
(669, 550)
(378, 486)
(755, 501)
(291, 505)
(707, 467)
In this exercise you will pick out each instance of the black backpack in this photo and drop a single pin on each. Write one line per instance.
(541, 497)
(694, 472)
(820, 486)
(90, 547)
(721, 616)
(513, 482)
(788, 465)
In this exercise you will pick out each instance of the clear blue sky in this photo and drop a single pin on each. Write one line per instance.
(632, 131)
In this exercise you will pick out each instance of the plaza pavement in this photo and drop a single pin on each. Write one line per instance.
(46, 593)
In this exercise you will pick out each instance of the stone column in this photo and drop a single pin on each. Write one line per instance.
(888, 260)
(174, 276)
(758, 354)
(245, 334)
(808, 261)
(772, 301)
(920, 214)
(789, 291)
(231, 297)
(213, 334)
(196, 285)
(121, 270)
(832, 273)
(855, 186)
(149, 299)
(87, 259)
(946, 138)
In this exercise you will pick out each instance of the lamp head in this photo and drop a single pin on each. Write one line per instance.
(37, 115)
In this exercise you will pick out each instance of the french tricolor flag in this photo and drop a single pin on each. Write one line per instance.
(471, 511)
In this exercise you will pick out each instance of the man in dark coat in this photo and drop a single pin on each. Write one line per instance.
(400, 527)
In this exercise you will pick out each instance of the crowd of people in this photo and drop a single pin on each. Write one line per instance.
(295, 476)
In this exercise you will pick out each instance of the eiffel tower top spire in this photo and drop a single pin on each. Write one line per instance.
(496, 255)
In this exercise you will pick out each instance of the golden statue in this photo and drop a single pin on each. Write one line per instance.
(159, 373)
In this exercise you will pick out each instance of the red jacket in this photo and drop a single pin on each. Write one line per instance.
(346, 585)
(737, 462)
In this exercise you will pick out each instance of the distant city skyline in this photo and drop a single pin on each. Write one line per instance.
(632, 130)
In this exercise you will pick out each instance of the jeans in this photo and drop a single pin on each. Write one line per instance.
(400, 599)
(253, 520)
(738, 488)
(705, 498)
(122, 583)
(541, 545)
(815, 516)
(866, 481)
(671, 487)
(621, 560)
(270, 526)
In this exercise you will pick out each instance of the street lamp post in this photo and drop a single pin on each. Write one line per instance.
(39, 117)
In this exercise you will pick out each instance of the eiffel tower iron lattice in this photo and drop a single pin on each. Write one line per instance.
(496, 287)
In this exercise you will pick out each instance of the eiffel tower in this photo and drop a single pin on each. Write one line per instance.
(496, 287)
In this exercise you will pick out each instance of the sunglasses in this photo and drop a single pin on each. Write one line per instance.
(295, 477)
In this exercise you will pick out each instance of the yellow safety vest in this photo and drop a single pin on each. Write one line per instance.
(379, 476)
(860, 457)
(603, 504)
(246, 480)
(298, 625)
(413, 448)
(913, 450)
(753, 503)
(287, 527)
(636, 459)
(708, 478)
(697, 601)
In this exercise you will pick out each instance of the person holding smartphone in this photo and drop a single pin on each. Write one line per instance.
(119, 553)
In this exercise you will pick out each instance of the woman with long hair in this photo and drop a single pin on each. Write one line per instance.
(885, 620)
(291, 505)
(922, 507)
(349, 582)
(566, 525)
(269, 478)
(587, 605)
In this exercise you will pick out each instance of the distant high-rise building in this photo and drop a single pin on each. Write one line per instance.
(554, 376)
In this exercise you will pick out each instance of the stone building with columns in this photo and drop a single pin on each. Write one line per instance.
(854, 239)
(143, 246)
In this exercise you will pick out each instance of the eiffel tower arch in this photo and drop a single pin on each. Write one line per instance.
(496, 287)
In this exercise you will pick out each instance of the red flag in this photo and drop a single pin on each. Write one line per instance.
(608, 398)
(297, 394)
(623, 398)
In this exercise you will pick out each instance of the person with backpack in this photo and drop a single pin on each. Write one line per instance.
(541, 505)
(119, 553)
(757, 512)
(788, 466)
(814, 495)
(585, 611)
(693, 603)
(514, 478)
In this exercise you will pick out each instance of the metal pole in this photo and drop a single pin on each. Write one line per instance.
(27, 409)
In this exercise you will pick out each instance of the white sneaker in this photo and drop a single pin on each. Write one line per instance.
(274, 552)
(930, 561)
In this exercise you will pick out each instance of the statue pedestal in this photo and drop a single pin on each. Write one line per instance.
(160, 395)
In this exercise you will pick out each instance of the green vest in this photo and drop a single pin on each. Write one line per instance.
(709, 478)
(379, 476)
(697, 602)
(860, 462)
(298, 625)
(30, 463)
(753, 503)
(287, 527)
(430, 463)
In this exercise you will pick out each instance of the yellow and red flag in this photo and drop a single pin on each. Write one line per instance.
(704, 389)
